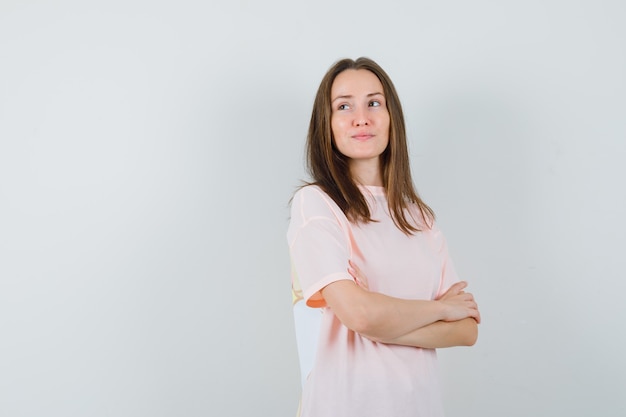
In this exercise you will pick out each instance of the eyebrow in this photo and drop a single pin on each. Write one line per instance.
(349, 96)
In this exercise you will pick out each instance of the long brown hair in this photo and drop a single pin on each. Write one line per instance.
(329, 168)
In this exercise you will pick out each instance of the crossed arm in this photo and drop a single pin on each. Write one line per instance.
(440, 334)
(451, 320)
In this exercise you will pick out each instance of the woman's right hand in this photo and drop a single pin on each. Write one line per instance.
(459, 304)
(359, 277)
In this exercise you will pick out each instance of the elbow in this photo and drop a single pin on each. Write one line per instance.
(366, 322)
(356, 309)
(472, 333)
(357, 318)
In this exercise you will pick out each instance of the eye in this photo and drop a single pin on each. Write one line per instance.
(343, 107)
(375, 103)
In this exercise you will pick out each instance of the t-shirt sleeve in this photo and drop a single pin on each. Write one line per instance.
(448, 272)
(318, 243)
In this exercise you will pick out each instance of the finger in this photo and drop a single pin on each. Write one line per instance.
(476, 312)
(477, 317)
(462, 297)
(457, 287)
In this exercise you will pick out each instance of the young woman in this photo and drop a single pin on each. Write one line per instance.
(365, 250)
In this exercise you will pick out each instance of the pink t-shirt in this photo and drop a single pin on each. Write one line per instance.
(353, 376)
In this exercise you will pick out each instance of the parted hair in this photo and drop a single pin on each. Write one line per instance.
(329, 168)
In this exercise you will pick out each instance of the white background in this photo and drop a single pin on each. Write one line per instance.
(148, 150)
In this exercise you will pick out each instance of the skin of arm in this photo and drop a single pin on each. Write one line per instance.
(374, 315)
(440, 334)
(382, 318)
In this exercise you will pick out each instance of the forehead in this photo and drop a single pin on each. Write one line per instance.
(353, 82)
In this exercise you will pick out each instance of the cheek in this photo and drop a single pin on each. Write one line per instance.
(387, 125)
(387, 120)
(337, 127)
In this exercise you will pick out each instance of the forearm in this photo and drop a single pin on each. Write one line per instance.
(378, 316)
(439, 335)
(391, 318)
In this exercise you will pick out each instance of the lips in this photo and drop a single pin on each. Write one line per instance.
(362, 136)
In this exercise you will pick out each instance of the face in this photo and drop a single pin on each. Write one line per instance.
(359, 117)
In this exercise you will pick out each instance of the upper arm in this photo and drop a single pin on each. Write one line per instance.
(348, 302)
(318, 245)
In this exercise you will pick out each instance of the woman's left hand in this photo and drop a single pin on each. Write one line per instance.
(456, 290)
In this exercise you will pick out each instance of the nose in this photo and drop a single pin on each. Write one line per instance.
(361, 119)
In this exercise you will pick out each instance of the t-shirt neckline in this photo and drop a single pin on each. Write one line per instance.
(373, 189)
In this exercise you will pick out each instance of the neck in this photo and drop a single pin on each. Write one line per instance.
(366, 172)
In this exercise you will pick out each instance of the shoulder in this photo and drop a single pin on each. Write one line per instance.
(311, 200)
(311, 203)
(311, 191)
(308, 190)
